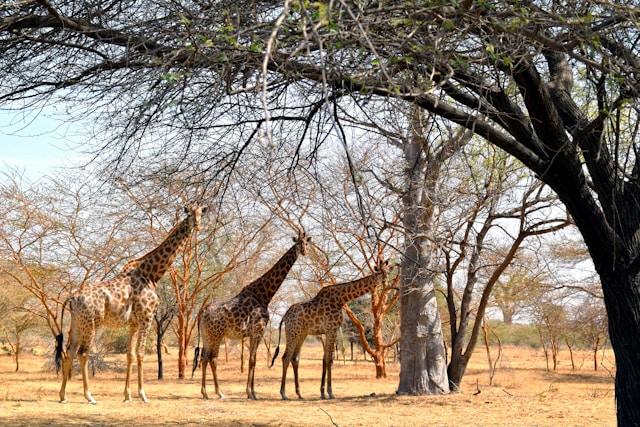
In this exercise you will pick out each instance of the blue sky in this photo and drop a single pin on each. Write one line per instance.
(35, 145)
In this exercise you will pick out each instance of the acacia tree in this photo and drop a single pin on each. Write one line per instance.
(554, 84)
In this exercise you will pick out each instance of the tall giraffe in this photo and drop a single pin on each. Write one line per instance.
(245, 315)
(321, 315)
(128, 299)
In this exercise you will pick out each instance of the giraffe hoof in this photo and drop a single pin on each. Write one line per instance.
(63, 400)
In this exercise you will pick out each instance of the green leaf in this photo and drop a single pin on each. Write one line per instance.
(184, 20)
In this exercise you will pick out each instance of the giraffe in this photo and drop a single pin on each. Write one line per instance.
(244, 315)
(128, 299)
(321, 315)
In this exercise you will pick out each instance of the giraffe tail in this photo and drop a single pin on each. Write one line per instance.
(278, 347)
(60, 340)
(196, 353)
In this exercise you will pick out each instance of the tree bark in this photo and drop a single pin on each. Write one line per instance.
(423, 367)
(609, 226)
(183, 346)
(159, 353)
(622, 298)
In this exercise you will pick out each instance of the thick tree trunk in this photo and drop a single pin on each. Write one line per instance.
(622, 298)
(614, 256)
(604, 206)
(613, 251)
(423, 367)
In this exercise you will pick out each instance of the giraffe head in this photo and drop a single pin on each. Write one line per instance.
(194, 213)
(301, 243)
(382, 269)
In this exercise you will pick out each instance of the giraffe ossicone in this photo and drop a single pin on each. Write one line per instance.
(244, 315)
(321, 315)
(128, 299)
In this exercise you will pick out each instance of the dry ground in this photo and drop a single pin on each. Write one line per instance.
(524, 394)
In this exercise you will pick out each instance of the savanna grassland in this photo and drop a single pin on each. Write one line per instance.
(524, 393)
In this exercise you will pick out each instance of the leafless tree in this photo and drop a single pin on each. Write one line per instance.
(17, 320)
(493, 212)
(52, 244)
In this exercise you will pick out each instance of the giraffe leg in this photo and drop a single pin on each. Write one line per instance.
(133, 333)
(84, 367)
(324, 374)
(253, 350)
(327, 361)
(286, 358)
(204, 361)
(214, 370)
(67, 366)
(213, 358)
(295, 363)
(142, 338)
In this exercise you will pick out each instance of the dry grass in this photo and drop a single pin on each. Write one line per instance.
(524, 394)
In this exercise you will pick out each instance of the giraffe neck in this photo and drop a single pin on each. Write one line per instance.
(352, 290)
(155, 264)
(264, 288)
